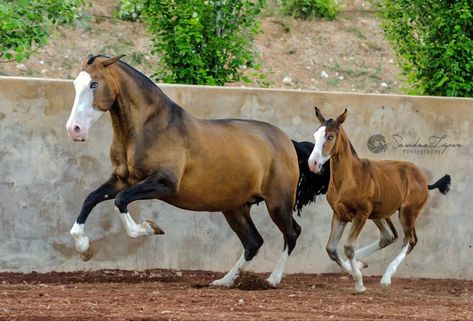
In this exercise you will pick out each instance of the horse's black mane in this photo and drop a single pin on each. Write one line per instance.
(310, 185)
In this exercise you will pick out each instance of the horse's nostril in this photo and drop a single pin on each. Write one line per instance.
(76, 129)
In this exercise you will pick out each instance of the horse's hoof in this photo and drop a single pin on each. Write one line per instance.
(273, 283)
(362, 264)
(87, 255)
(360, 290)
(222, 282)
(385, 283)
(156, 229)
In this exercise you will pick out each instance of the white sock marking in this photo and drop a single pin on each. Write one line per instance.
(229, 279)
(82, 242)
(276, 275)
(357, 277)
(133, 229)
(392, 267)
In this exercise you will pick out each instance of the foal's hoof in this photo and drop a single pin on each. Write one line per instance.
(223, 282)
(87, 255)
(154, 227)
(360, 290)
(362, 264)
(385, 283)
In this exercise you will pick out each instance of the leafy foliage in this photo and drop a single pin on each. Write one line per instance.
(203, 42)
(434, 43)
(25, 24)
(129, 9)
(308, 9)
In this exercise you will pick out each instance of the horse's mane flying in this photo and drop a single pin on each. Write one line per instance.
(310, 184)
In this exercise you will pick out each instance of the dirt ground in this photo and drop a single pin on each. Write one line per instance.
(179, 295)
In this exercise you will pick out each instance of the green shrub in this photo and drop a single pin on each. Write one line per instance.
(202, 42)
(433, 40)
(129, 9)
(309, 9)
(25, 24)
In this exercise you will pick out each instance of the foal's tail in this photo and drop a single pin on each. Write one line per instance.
(310, 184)
(442, 184)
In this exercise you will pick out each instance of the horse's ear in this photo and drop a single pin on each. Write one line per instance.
(319, 115)
(340, 119)
(109, 61)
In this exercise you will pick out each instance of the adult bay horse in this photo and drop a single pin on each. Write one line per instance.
(362, 189)
(160, 151)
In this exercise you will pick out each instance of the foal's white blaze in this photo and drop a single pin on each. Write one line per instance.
(82, 242)
(83, 114)
(316, 158)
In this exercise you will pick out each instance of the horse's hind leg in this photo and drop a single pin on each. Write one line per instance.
(241, 223)
(281, 215)
(407, 217)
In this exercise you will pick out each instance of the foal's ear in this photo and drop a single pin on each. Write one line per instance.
(319, 116)
(109, 61)
(340, 119)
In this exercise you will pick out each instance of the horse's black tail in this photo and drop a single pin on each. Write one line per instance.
(442, 184)
(310, 184)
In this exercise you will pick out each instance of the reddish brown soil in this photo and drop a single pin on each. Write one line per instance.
(176, 295)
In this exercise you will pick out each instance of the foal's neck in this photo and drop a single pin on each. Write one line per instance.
(344, 161)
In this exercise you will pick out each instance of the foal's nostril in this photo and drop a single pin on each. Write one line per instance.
(76, 129)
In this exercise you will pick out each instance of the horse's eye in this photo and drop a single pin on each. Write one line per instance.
(330, 137)
(94, 84)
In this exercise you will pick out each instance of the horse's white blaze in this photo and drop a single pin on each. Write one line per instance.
(82, 242)
(317, 158)
(83, 114)
(276, 275)
(132, 229)
(229, 279)
(392, 267)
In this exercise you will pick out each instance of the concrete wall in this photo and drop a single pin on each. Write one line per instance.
(44, 178)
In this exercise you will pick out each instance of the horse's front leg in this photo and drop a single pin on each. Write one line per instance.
(106, 191)
(153, 187)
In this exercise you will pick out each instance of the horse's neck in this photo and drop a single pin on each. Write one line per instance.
(139, 105)
(343, 162)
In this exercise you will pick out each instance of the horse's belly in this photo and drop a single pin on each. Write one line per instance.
(208, 204)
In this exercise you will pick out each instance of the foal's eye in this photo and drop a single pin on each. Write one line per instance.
(94, 84)
(330, 137)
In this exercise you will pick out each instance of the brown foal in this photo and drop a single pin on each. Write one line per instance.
(362, 189)
(160, 151)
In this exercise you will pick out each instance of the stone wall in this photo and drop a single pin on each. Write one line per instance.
(44, 178)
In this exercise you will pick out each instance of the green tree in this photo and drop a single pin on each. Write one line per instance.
(433, 40)
(25, 24)
(202, 42)
(309, 9)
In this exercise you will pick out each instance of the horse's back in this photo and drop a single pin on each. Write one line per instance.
(244, 159)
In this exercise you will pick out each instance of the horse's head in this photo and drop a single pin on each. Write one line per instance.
(95, 94)
(326, 140)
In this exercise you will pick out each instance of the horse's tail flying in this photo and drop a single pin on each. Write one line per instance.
(310, 184)
(442, 184)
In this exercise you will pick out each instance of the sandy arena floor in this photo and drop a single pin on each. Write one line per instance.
(179, 295)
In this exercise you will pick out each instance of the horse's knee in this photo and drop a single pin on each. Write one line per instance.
(121, 203)
(252, 250)
(332, 252)
(349, 251)
(296, 227)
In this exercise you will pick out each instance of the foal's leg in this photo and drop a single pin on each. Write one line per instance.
(407, 217)
(356, 227)
(281, 215)
(336, 232)
(106, 191)
(153, 187)
(241, 223)
(386, 239)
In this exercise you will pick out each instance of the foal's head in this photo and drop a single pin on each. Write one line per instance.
(95, 94)
(326, 140)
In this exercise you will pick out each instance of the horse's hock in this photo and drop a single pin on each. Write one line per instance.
(44, 178)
